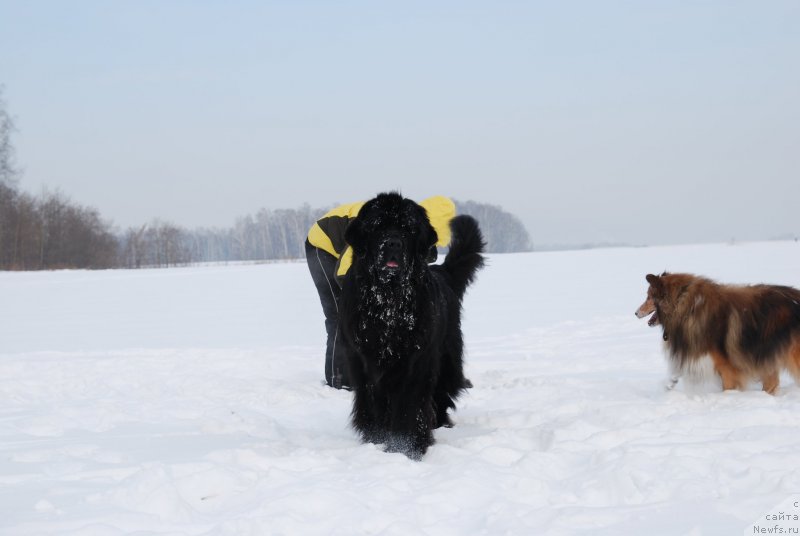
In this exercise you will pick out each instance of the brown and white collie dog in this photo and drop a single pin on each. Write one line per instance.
(750, 332)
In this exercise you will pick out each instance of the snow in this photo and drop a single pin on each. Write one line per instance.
(188, 401)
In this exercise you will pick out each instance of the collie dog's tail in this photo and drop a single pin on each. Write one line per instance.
(464, 258)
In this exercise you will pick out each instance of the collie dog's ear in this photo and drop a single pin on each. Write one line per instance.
(655, 282)
(354, 235)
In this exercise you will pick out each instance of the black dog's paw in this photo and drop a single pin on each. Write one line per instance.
(374, 436)
(407, 446)
(444, 421)
(467, 384)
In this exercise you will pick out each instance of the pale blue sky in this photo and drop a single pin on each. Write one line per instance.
(639, 122)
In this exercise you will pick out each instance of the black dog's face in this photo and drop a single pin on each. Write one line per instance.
(391, 235)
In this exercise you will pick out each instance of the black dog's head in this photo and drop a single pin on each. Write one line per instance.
(391, 236)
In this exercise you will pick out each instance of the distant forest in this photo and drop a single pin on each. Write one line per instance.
(279, 234)
(50, 231)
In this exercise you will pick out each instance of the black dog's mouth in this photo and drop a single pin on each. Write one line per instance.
(392, 262)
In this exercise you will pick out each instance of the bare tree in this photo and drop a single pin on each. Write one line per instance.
(133, 247)
(8, 218)
(24, 246)
(8, 171)
(159, 244)
(8, 193)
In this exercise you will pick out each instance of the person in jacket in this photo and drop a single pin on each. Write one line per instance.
(329, 258)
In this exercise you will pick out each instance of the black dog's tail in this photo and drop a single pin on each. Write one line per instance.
(464, 258)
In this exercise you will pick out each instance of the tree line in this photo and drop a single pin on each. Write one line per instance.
(280, 234)
(267, 235)
(50, 231)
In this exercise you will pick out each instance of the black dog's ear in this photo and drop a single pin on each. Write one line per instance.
(427, 238)
(414, 220)
(355, 237)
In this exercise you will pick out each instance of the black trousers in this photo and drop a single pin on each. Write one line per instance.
(322, 266)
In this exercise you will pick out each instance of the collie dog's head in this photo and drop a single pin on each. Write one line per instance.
(655, 293)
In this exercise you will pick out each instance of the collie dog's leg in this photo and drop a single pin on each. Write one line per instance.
(675, 373)
(770, 382)
(670, 383)
(731, 377)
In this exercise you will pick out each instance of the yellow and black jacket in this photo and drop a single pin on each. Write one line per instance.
(327, 233)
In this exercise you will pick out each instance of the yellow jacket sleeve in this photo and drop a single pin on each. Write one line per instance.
(327, 233)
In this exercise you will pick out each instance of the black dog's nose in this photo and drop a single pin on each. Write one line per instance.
(394, 244)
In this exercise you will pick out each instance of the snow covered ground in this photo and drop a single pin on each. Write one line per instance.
(189, 401)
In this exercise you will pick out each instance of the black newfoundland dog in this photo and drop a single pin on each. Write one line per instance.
(401, 322)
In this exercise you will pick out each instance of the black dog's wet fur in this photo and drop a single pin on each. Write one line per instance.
(402, 326)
